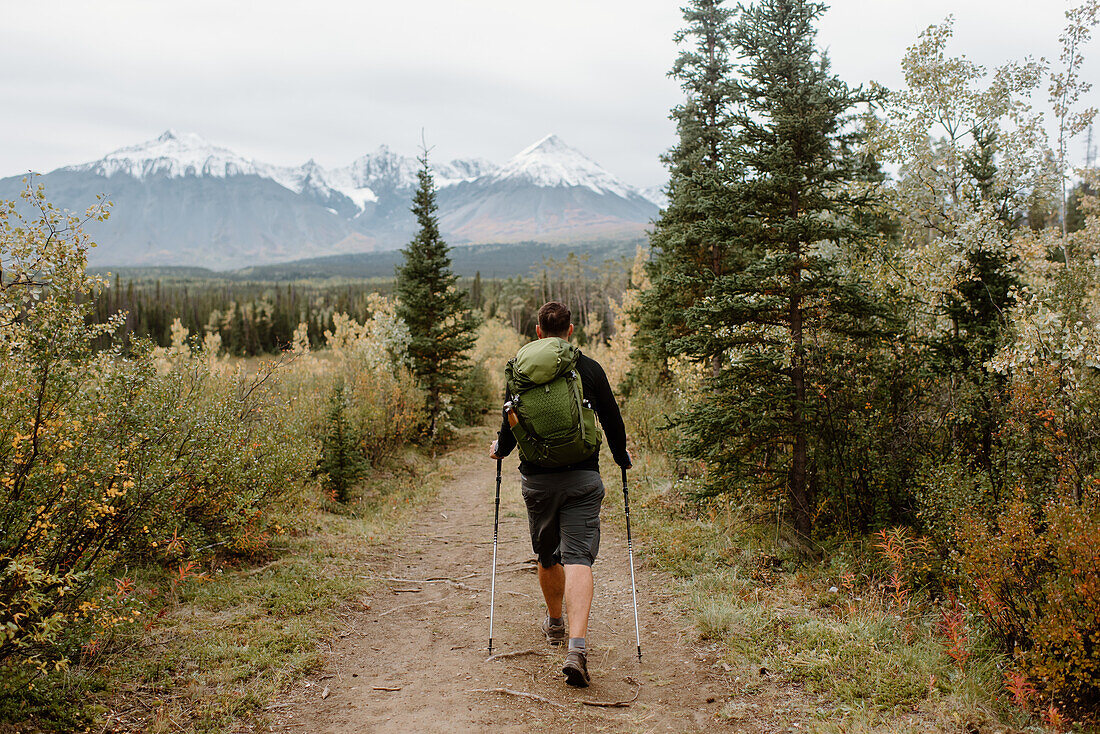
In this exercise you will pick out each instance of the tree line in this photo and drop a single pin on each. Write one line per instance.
(252, 318)
(261, 318)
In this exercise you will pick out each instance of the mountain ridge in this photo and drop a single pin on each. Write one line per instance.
(182, 200)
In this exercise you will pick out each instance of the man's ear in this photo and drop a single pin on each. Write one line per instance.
(538, 331)
(570, 331)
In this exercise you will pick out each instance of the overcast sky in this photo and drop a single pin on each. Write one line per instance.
(332, 79)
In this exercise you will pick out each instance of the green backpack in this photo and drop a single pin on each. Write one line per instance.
(554, 426)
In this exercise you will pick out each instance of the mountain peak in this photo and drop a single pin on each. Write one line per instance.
(548, 142)
(172, 154)
(172, 139)
(551, 162)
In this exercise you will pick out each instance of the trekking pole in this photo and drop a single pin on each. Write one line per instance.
(493, 586)
(630, 553)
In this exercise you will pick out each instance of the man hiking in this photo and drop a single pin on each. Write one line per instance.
(560, 472)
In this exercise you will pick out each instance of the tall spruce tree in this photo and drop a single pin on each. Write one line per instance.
(441, 324)
(695, 238)
(783, 319)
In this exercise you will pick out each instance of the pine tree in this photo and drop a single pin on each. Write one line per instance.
(695, 239)
(783, 319)
(341, 462)
(477, 299)
(441, 325)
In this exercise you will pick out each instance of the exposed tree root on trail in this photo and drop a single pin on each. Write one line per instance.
(615, 704)
(521, 694)
(518, 653)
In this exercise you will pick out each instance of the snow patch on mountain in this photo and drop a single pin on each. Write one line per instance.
(387, 169)
(656, 194)
(551, 163)
(325, 181)
(461, 170)
(383, 168)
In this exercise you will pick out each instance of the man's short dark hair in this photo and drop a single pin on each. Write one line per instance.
(554, 319)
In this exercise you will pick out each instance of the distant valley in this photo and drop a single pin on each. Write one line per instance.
(501, 260)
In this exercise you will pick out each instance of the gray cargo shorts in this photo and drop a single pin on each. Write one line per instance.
(563, 510)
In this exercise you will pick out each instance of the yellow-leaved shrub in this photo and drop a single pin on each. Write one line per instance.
(109, 458)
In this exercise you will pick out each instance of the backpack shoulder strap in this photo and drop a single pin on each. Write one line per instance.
(509, 378)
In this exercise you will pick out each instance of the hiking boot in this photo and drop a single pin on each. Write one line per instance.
(576, 669)
(555, 634)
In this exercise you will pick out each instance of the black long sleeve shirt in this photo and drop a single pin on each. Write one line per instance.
(597, 391)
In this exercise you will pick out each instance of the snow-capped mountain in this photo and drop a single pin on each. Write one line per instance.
(550, 163)
(173, 155)
(546, 191)
(181, 200)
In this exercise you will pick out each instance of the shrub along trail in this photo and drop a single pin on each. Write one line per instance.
(412, 655)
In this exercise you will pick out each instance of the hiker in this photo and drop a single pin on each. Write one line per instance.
(563, 500)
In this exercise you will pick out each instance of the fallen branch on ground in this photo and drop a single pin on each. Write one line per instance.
(432, 580)
(502, 655)
(386, 688)
(615, 704)
(460, 578)
(457, 583)
(521, 694)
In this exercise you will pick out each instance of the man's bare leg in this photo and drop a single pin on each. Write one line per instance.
(578, 600)
(552, 582)
(578, 597)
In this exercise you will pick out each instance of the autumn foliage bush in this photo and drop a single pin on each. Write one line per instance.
(1033, 569)
(110, 458)
(374, 404)
(387, 411)
(1034, 574)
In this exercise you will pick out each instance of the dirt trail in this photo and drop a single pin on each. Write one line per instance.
(411, 657)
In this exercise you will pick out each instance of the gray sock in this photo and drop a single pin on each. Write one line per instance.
(577, 643)
(556, 621)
